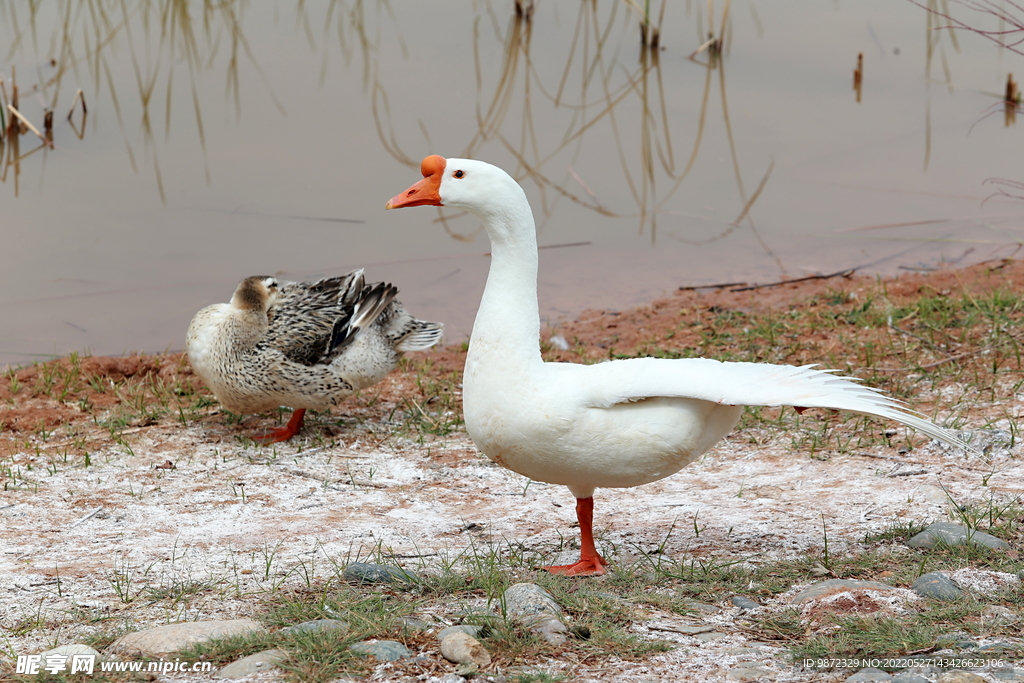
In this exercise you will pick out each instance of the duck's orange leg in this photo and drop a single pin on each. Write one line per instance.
(286, 432)
(590, 563)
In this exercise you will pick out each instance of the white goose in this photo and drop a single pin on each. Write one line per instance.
(301, 344)
(616, 424)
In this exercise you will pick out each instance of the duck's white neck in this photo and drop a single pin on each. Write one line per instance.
(508, 322)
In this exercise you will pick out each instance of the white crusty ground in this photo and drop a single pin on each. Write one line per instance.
(161, 526)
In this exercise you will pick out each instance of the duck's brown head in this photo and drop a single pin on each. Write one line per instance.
(257, 293)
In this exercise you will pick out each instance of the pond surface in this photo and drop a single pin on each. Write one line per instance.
(233, 139)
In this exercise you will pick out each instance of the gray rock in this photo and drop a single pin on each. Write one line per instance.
(317, 625)
(364, 572)
(246, 666)
(908, 677)
(468, 629)
(958, 676)
(528, 599)
(936, 585)
(451, 678)
(869, 674)
(744, 603)
(170, 638)
(954, 534)
(533, 608)
(832, 586)
(383, 650)
(747, 673)
(1009, 675)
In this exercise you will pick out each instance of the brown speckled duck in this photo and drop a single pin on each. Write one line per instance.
(301, 344)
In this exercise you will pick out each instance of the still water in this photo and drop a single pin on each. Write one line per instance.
(230, 139)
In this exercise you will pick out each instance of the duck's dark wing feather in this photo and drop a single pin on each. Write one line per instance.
(307, 317)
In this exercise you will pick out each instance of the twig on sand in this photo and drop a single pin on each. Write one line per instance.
(88, 516)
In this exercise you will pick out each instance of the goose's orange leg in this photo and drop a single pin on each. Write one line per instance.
(286, 432)
(590, 563)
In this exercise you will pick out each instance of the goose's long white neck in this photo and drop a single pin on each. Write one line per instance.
(508, 322)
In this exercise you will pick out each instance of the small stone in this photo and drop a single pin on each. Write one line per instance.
(467, 669)
(461, 648)
(527, 599)
(744, 603)
(316, 625)
(954, 534)
(1008, 675)
(957, 676)
(936, 585)
(364, 572)
(703, 607)
(869, 674)
(414, 624)
(383, 650)
(533, 608)
(469, 629)
(747, 673)
(246, 666)
(909, 677)
(832, 586)
(451, 678)
(170, 638)
(997, 614)
(1008, 648)
(710, 635)
(685, 629)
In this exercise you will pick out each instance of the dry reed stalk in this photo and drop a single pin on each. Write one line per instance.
(18, 115)
(79, 96)
(12, 127)
(858, 75)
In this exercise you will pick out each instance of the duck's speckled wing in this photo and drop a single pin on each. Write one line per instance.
(309, 315)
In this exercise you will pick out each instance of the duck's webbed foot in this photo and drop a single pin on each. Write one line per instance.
(284, 433)
(587, 566)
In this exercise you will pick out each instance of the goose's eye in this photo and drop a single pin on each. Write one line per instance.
(458, 174)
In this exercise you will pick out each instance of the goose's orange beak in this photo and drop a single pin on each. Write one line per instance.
(426, 192)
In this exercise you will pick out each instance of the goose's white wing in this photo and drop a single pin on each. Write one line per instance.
(751, 384)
